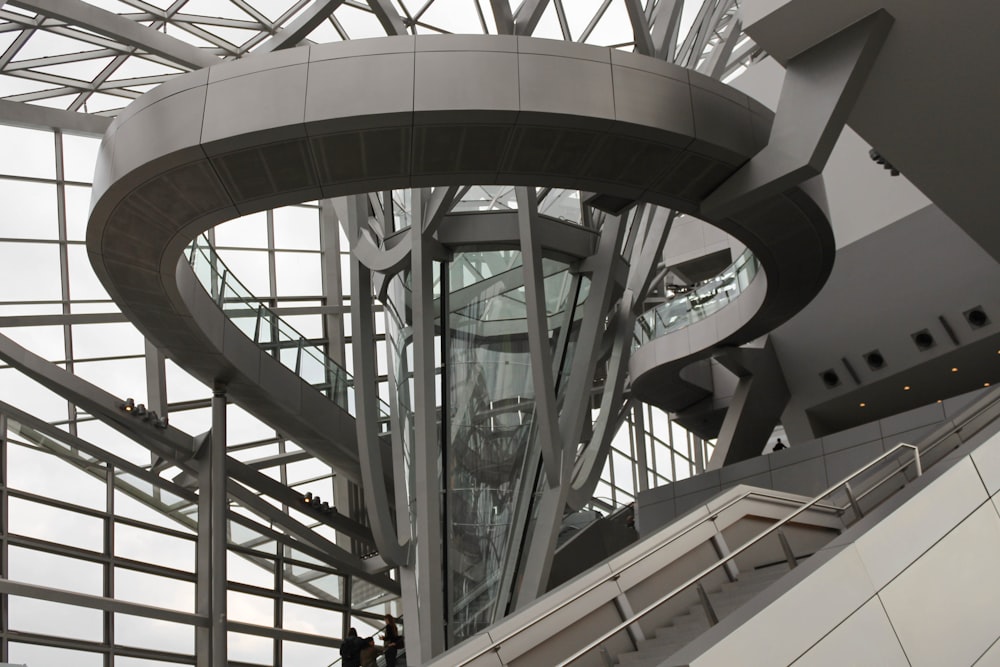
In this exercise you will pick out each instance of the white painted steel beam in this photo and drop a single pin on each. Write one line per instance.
(121, 29)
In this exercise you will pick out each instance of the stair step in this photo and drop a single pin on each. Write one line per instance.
(687, 626)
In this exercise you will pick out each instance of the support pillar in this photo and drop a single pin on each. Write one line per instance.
(211, 641)
(756, 407)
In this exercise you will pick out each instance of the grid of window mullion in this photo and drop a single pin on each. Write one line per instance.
(79, 553)
(97, 647)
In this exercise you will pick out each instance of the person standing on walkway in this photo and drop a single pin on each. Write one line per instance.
(393, 641)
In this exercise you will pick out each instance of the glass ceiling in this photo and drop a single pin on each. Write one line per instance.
(86, 56)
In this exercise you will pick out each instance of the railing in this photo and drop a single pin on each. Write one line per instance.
(271, 333)
(853, 502)
(699, 303)
(920, 458)
(615, 575)
(774, 529)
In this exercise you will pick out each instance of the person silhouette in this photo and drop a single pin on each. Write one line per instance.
(778, 446)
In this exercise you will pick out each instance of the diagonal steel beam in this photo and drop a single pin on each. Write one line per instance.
(438, 203)
(296, 31)
(546, 413)
(344, 561)
(717, 62)
(30, 115)
(119, 28)
(388, 17)
(169, 443)
(528, 15)
(640, 28)
(376, 490)
(245, 474)
(503, 16)
(666, 24)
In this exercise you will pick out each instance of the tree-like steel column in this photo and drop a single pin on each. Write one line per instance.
(521, 335)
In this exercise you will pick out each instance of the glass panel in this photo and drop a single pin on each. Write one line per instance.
(298, 273)
(29, 210)
(249, 231)
(487, 198)
(296, 228)
(54, 524)
(255, 571)
(79, 157)
(45, 569)
(38, 471)
(491, 402)
(313, 620)
(84, 284)
(27, 152)
(294, 653)
(22, 265)
(50, 656)
(139, 662)
(690, 306)
(271, 332)
(561, 204)
(45, 341)
(54, 618)
(152, 547)
(154, 590)
(251, 649)
(247, 608)
(154, 634)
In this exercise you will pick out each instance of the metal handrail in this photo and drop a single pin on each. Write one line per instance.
(645, 332)
(202, 247)
(638, 559)
(723, 561)
(492, 646)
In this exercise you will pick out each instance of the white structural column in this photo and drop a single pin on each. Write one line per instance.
(376, 490)
(211, 640)
(652, 236)
(547, 430)
(428, 641)
(120, 28)
(761, 396)
(576, 408)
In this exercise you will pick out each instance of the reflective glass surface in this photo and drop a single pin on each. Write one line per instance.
(697, 303)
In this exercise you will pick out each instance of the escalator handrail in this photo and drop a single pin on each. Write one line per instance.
(955, 427)
(635, 617)
(638, 559)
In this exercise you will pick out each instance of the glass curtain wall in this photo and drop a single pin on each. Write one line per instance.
(491, 451)
(102, 516)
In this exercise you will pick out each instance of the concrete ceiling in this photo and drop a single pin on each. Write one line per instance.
(918, 273)
(930, 104)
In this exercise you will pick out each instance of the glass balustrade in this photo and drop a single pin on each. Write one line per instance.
(271, 333)
(698, 303)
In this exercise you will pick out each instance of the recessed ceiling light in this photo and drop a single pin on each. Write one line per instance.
(862, 405)
(939, 400)
(954, 370)
(986, 384)
(906, 388)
